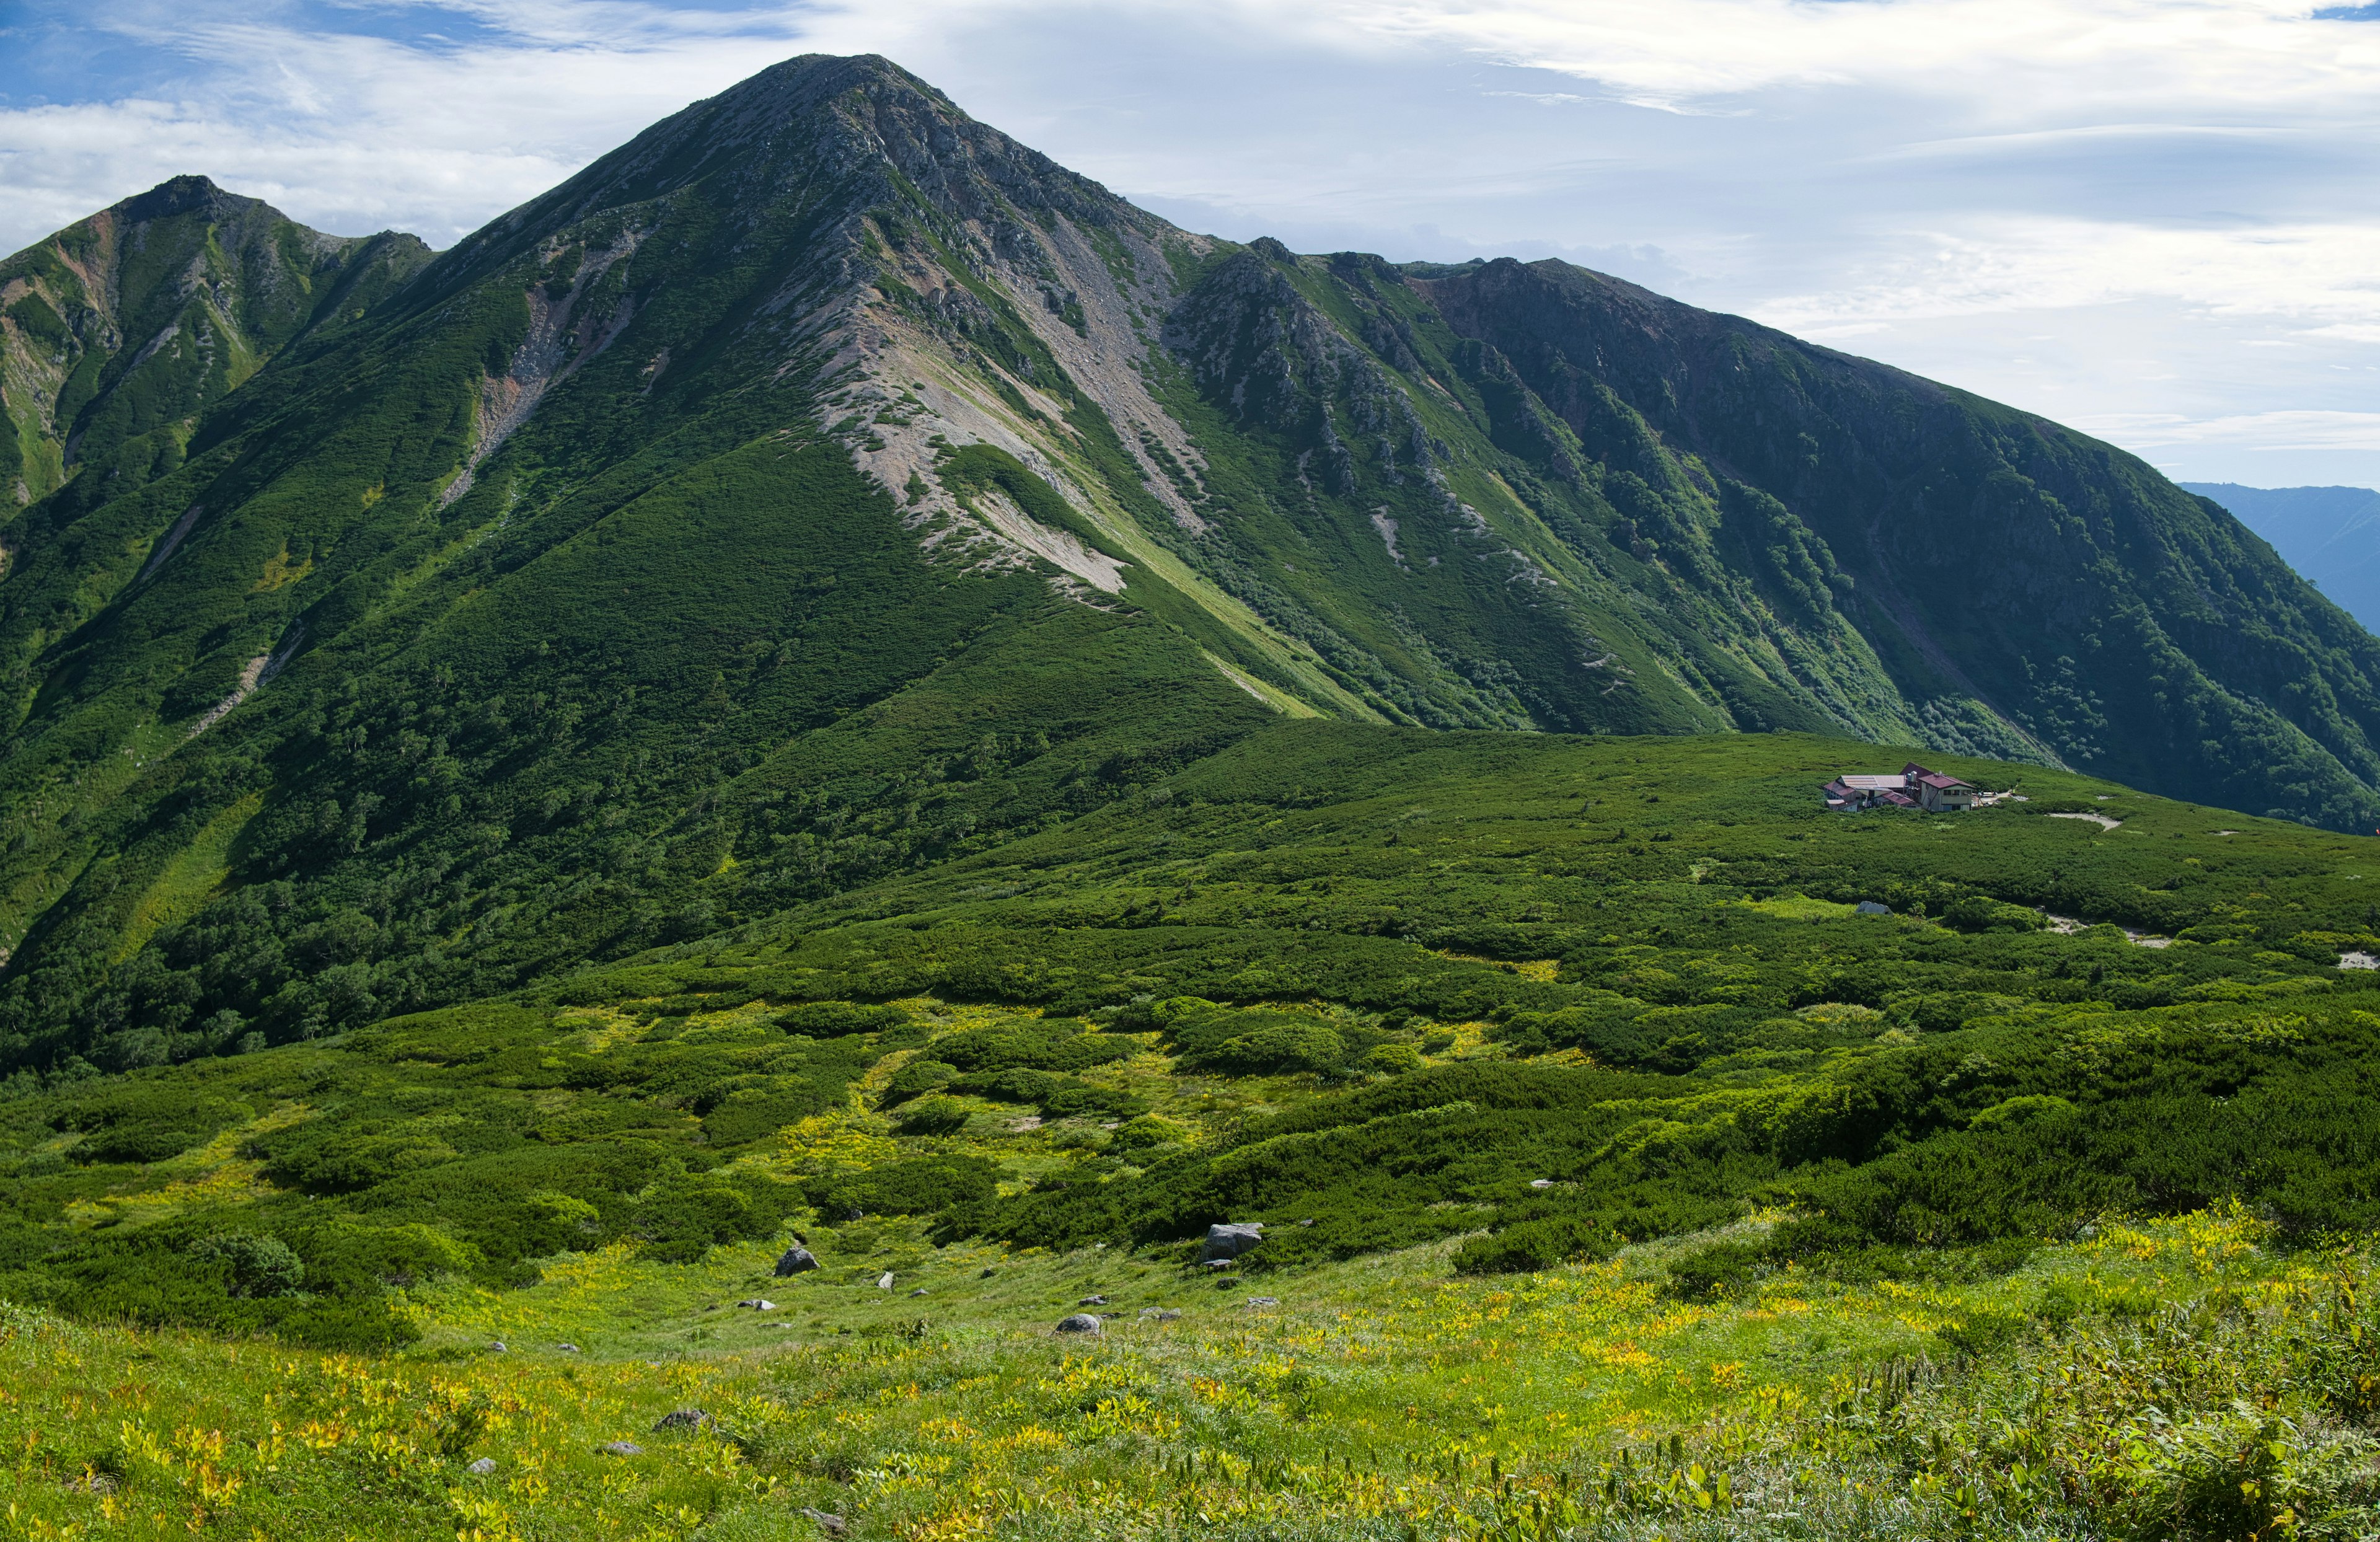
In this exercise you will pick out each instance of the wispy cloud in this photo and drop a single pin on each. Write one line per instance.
(2177, 189)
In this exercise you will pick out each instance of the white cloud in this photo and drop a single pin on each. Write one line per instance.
(2262, 430)
(2176, 191)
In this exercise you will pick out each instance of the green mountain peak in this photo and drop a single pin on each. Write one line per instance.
(824, 485)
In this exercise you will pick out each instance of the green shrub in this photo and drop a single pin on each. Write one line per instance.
(917, 1076)
(1718, 1273)
(1256, 1043)
(916, 1185)
(1534, 1244)
(258, 1267)
(934, 1116)
(840, 1019)
(1048, 1045)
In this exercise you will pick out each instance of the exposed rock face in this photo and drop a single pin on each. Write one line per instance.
(795, 1260)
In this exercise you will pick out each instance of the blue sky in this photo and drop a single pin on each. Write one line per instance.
(2154, 219)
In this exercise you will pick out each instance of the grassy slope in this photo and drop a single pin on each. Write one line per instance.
(1487, 905)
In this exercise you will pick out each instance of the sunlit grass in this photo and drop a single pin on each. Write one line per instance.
(1380, 1389)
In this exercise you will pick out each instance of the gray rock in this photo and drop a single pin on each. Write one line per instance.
(1163, 1313)
(1092, 1301)
(1229, 1238)
(1541, 1182)
(1262, 1301)
(498, 1348)
(1081, 1322)
(568, 1349)
(833, 1524)
(1307, 1221)
(759, 1304)
(684, 1418)
(884, 1280)
(916, 1294)
(623, 1448)
(483, 1466)
(1211, 1265)
(1869, 908)
(796, 1260)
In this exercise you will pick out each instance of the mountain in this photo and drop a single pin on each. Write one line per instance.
(2326, 531)
(656, 844)
(824, 486)
(117, 334)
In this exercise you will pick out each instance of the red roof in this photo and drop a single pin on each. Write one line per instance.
(1898, 800)
(1940, 783)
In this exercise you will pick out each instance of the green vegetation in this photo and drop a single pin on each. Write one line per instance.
(925, 717)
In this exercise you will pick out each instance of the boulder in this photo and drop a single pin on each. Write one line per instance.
(684, 1418)
(482, 1467)
(1229, 1238)
(759, 1304)
(622, 1448)
(797, 1260)
(884, 1280)
(1081, 1322)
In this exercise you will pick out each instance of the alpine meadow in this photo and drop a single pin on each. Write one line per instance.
(832, 837)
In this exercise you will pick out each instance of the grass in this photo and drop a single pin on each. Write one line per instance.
(1376, 1395)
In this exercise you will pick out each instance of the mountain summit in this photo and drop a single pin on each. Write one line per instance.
(824, 484)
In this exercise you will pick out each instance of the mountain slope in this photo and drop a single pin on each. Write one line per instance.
(2326, 531)
(118, 333)
(824, 485)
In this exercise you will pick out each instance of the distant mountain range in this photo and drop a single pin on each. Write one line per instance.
(2329, 534)
(824, 484)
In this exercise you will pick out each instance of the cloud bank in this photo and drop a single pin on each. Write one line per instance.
(2149, 217)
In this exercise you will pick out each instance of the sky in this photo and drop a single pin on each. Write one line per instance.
(2155, 220)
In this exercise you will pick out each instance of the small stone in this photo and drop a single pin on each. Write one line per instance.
(684, 1418)
(1307, 1221)
(623, 1448)
(1262, 1301)
(1081, 1322)
(1163, 1313)
(916, 1294)
(833, 1525)
(987, 1274)
(884, 1280)
(483, 1466)
(1541, 1182)
(1092, 1301)
(758, 1303)
(796, 1260)
(568, 1349)
(498, 1348)
(1212, 1265)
